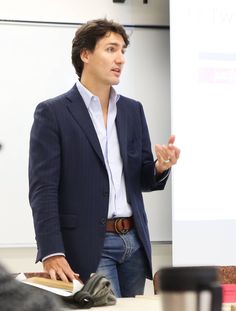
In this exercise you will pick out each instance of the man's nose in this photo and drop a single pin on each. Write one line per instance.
(120, 58)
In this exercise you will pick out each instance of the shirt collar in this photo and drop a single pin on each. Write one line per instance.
(88, 96)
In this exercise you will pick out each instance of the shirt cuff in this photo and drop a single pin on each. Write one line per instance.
(52, 255)
(164, 175)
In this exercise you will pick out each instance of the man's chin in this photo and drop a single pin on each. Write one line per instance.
(112, 81)
(115, 81)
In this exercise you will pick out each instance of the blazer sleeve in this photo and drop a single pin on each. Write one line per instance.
(44, 174)
(150, 180)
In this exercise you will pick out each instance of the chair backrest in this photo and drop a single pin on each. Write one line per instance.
(227, 274)
(156, 283)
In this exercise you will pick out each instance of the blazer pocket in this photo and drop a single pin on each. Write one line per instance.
(69, 221)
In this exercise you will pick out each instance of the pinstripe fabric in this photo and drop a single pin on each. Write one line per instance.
(68, 181)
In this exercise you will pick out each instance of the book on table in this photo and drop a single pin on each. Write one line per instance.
(42, 280)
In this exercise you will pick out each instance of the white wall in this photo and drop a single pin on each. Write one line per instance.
(45, 71)
(131, 12)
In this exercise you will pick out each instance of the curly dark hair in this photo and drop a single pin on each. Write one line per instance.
(87, 36)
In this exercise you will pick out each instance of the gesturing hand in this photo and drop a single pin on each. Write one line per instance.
(58, 267)
(167, 155)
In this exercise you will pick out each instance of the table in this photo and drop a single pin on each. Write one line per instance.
(140, 303)
(148, 303)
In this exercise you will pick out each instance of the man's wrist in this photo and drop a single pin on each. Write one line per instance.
(157, 168)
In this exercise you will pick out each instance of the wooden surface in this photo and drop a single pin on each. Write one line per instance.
(51, 283)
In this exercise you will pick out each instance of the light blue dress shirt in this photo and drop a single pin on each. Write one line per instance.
(107, 136)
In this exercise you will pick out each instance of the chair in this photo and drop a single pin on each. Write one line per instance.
(226, 275)
(156, 283)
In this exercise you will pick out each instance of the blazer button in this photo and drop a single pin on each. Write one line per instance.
(106, 193)
(103, 221)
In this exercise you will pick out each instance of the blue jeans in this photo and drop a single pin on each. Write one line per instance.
(124, 264)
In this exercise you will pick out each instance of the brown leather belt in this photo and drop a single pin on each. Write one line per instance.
(119, 225)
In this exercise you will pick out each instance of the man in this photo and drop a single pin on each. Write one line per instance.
(90, 158)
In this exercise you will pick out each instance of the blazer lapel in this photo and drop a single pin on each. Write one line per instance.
(121, 126)
(80, 113)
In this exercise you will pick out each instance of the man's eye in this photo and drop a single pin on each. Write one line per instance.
(110, 49)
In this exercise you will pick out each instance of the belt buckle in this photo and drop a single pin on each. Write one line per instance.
(119, 231)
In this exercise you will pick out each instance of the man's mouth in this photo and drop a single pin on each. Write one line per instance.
(117, 71)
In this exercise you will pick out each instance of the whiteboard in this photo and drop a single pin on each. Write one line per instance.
(35, 65)
(203, 78)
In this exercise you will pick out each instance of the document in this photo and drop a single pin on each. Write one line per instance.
(54, 286)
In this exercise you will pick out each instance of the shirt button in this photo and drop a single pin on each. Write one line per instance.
(106, 193)
(103, 221)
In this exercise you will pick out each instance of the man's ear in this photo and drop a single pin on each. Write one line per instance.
(84, 55)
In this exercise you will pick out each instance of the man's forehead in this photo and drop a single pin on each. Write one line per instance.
(112, 38)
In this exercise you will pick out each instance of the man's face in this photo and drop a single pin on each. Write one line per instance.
(105, 63)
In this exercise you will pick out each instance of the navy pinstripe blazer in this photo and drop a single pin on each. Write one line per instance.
(69, 188)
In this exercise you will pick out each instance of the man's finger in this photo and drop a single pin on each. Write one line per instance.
(62, 276)
(52, 274)
(71, 275)
(171, 140)
(76, 275)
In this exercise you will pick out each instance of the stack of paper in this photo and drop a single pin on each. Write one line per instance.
(61, 288)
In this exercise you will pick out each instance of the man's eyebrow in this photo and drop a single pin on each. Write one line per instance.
(124, 46)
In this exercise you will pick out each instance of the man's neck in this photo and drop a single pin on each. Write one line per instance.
(100, 90)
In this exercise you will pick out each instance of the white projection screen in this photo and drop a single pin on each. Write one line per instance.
(203, 99)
